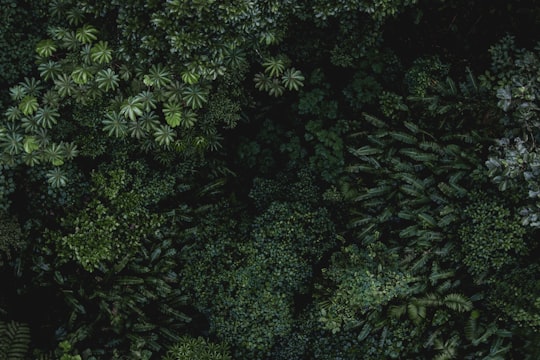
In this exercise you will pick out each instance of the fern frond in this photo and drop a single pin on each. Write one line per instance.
(366, 151)
(411, 126)
(418, 155)
(374, 192)
(14, 340)
(374, 121)
(430, 299)
(457, 302)
(404, 138)
(430, 145)
(398, 311)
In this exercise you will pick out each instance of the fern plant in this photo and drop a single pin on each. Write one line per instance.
(14, 340)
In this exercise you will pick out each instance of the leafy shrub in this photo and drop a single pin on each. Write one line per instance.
(111, 226)
(11, 239)
(491, 236)
(197, 349)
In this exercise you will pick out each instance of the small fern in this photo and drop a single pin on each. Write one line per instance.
(14, 340)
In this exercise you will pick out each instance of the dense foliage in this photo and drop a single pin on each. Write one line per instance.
(353, 179)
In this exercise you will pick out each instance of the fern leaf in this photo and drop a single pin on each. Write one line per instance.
(432, 146)
(404, 138)
(471, 328)
(420, 263)
(411, 190)
(374, 121)
(398, 311)
(409, 231)
(427, 220)
(361, 168)
(412, 180)
(401, 166)
(436, 276)
(14, 340)
(366, 151)
(375, 192)
(455, 177)
(414, 313)
(418, 155)
(429, 299)
(457, 302)
(411, 126)
(406, 215)
(130, 280)
(366, 330)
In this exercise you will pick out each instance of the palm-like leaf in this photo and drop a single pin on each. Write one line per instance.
(47, 116)
(42, 137)
(86, 54)
(173, 113)
(189, 119)
(194, 96)
(101, 53)
(46, 48)
(64, 85)
(234, 57)
(13, 113)
(131, 108)
(56, 177)
(292, 79)
(28, 105)
(115, 124)
(69, 41)
(274, 66)
(107, 79)
(262, 82)
(158, 76)
(70, 150)
(81, 75)
(190, 77)
(276, 89)
(12, 142)
(54, 153)
(268, 38)
(147, 99)
(164, 135)
(173, 91)
(33, 87)
(86, 34)
(75, 16)
(30, 124)
(149, 121)
(49, 70)
(31, 159)
(17, 92)
(136, 129)
(30, 144)
(57, 32)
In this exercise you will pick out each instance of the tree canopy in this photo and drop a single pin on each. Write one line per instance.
(202, 179)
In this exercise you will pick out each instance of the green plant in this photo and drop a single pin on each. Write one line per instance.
(14, 340)
(492, 237)
(188, 348)
(11, 238)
